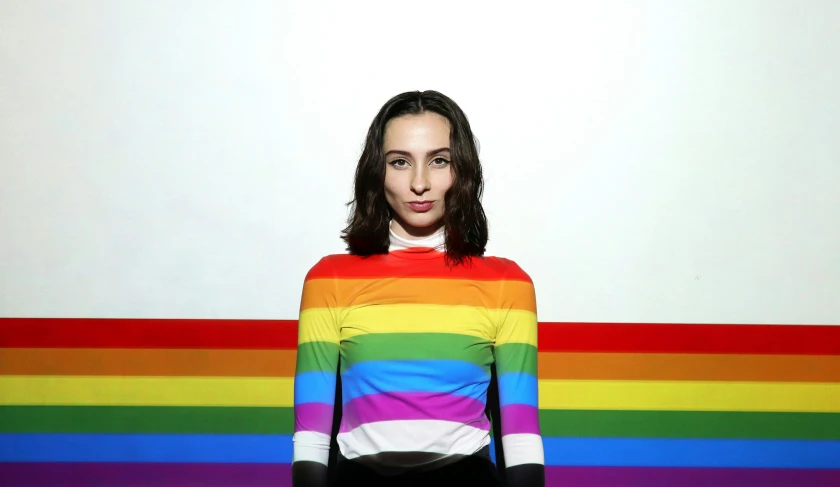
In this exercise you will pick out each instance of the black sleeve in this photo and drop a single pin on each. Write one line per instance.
(528, 475)
(310, 474)
(314, 474)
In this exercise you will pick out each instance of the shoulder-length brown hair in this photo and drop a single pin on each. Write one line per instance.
(465, 222)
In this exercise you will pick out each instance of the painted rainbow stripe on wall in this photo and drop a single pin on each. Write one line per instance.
(152, 403)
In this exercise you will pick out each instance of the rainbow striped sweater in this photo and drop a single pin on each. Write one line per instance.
(413, 340)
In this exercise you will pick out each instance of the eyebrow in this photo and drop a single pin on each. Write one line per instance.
(428, 154)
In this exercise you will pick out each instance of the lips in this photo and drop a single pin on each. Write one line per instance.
(421, 206)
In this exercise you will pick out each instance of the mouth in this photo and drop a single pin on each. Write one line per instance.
(421, 206)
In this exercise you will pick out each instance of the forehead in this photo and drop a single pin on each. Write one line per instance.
(418, 131)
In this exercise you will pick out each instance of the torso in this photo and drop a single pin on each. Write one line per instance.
(416, 347)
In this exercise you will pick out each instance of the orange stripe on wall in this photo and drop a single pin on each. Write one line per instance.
(705, 367)
(552, 365)
(147, 362)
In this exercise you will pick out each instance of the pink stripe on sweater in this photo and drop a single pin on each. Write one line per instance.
(413, 406)
(519, 418)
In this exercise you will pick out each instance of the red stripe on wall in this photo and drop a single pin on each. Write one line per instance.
(690, 338)
(553, 337)
(147, 333)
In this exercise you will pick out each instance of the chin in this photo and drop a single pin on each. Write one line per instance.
(423, 222)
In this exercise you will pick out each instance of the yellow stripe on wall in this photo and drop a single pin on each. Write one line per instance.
(554, 394)
(147, 391)
(694, 395)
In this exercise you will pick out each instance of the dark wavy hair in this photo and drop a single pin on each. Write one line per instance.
(465, 223)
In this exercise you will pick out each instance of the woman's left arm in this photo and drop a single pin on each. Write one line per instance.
(516, 369)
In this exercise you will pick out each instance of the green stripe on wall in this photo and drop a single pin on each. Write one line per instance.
(145, 419)
(269, 420)
(690, 424)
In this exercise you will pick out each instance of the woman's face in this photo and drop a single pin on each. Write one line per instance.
(417, 172)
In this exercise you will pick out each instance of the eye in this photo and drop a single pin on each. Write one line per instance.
(440, 161)
(399, 163)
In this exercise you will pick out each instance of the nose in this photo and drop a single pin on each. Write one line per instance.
(420, 182)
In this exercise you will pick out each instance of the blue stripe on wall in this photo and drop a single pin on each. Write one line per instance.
(638, 452)
(558, 451)
(172, 448)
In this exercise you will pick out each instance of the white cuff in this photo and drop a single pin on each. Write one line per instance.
(523, 448)
(310, 446)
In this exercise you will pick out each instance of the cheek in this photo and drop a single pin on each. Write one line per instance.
(391, 192)
(446, 180)
(389, 181)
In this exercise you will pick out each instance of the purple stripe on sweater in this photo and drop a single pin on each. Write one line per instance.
(688, 477)
(145, 474)
(520, 418)
(413, 405)
(314, 416)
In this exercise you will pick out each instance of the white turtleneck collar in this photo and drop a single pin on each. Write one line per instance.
(435, 241)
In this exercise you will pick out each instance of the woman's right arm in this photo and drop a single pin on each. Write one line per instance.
(315, 377)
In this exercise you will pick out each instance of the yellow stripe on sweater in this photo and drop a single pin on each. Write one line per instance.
(419, 318)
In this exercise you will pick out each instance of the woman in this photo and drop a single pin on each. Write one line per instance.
(413, 318)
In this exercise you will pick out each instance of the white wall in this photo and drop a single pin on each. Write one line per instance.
(646, 161)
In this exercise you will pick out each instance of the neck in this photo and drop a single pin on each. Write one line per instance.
(434, 241)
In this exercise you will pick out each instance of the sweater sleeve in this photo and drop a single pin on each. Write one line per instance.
(516, 367)
(315, 377)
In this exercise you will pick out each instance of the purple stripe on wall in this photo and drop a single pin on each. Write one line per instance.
(145, 475)
(279, 475)
(402, 406)
(314, 416)
(689, 477)
(520, 418)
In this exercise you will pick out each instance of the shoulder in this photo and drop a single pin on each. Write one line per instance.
(324, 268)
(505, 268)
(338, 265)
